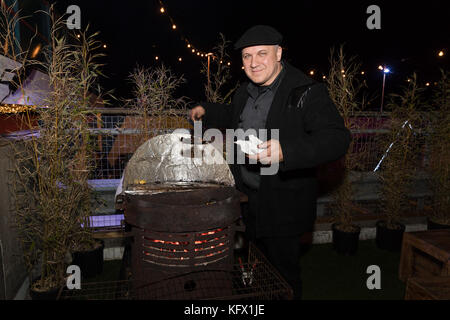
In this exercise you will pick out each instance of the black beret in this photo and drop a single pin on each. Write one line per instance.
(257, 36)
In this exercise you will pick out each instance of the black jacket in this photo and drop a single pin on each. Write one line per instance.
(311, 132)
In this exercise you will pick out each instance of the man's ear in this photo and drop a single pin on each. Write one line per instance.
(279, 53)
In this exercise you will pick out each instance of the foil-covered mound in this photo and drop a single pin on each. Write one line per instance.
(175, 158)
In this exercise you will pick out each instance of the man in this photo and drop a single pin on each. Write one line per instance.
(281, 206)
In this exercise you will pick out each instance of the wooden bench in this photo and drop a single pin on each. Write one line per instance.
(431, 288)
(424, 254)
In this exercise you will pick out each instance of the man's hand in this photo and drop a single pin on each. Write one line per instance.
(272, 152)
(196, 113)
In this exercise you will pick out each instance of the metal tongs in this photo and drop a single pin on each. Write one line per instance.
(247, 275)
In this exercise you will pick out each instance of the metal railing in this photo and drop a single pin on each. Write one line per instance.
(117, 133)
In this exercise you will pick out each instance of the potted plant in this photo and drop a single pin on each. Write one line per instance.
(87, 252)
(439, 155)
(343, 87)
(51, 190)
(399, 166)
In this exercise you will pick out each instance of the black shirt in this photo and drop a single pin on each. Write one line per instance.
(254, 116)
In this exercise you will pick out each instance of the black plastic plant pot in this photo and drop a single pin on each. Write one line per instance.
(345, 243)
(50, 294)
(389, 239)
(90, 262)
(436, 226)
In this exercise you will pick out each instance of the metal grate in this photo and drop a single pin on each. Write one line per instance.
(251, 278)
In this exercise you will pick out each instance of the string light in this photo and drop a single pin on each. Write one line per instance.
(311, 72)
(15, 108)
(156, 58)
(104, 46)
(174, 26)
(441, 53)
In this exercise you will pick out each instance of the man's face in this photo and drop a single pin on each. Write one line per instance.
(262, 64)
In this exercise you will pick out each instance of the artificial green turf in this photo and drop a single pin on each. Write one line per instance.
(111, 272)
(329, 276)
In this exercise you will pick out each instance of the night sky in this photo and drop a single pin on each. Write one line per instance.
(411, 35)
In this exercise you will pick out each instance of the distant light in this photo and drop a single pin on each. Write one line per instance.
(162, 10)
(242, 67)
(156, 58)
(409, 80)
(198, 53)
(229, 63)
(174, 27)
(342, 71)
(343, 75)
(193, 50)
(179, 59)
(188, 45)
(380, 67)
(386, 70)
(441, 53)
(362, 72)
(221, 61)
(427, 84)
(36, 51)
(311, 72)
(202, 55)
(78, 36)
(104, 46)
(323, 77)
